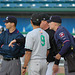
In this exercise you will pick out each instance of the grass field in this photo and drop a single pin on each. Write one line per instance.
(60, 74)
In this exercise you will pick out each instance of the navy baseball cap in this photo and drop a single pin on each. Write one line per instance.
(44, 16)
(35, 17)
(11, 19)
(56, 19)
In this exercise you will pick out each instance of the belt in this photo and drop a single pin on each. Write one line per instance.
(9, 59)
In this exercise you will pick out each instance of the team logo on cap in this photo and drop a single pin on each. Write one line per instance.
(6, 18)
(50, 17)
(37, 19)
(43, 18)
(61, 34)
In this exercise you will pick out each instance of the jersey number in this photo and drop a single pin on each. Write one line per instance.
(42, 40)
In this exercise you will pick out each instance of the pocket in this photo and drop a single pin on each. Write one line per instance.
(71, 62)
(3, 65)
(35, 66)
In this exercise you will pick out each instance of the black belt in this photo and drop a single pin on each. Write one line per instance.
(9, 59)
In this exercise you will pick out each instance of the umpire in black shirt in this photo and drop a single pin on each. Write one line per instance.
(53, 50)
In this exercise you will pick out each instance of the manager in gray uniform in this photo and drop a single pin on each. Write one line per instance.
(37, 44)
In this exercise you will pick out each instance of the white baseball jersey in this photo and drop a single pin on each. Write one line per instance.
(38, 41)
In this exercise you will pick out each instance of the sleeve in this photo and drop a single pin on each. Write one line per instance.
(65, 48)
(64, 38)
(21, 40)
(48, 43)
(16, 48)
(29, 42)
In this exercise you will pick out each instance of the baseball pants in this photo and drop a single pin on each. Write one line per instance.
(66, 70)
(37, 67)
(12, 67)
(50, 68)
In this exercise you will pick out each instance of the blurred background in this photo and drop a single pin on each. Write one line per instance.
(23, 9)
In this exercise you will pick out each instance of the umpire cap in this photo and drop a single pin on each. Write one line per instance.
(44, 16)
(11, 19)
(55, 18)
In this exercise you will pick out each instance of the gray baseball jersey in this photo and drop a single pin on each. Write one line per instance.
(38, 41)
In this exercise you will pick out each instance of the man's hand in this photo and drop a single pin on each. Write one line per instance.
(58, 56)
(55, 68)
(11, 43)
(23, 71)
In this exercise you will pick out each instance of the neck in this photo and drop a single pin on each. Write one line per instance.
(35, 27)
(45, 28)
(56, 28)
(12, 29)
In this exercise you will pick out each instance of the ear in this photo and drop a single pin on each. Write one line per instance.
(55, 23)
(13, 24)
(31, 22)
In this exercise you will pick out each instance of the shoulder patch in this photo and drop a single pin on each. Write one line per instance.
(61, 34)
(17, 31)
(41, 31)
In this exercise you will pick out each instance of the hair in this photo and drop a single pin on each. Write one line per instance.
(58, 23)
(14, 23)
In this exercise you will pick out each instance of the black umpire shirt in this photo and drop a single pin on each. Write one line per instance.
(53, 48)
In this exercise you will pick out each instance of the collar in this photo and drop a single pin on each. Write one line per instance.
(58, 28)
(16, 31)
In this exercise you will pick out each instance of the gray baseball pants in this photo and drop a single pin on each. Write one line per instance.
(37, 67)
(66, 70)
(12, 67)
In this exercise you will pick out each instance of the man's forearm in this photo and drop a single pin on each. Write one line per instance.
(27, 58)
(47, 52)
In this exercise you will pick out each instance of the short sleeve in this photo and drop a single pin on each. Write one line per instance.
(29, 41)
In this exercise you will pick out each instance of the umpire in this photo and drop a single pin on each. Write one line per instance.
(64, 42)
(52, 52)
(11, 64)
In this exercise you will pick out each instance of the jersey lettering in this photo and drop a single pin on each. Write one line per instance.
(42, 40)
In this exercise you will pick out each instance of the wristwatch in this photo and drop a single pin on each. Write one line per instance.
(24, 67)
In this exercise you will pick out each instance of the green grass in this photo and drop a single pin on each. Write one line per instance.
(60, 74)
(26, 73)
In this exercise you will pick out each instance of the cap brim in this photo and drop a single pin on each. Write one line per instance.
(5, 21)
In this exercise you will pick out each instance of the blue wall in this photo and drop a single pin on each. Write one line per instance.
(68, 23)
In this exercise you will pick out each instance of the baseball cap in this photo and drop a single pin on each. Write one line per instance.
(36, 19)
(55, 18)
(11, 19)
(44, 16)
